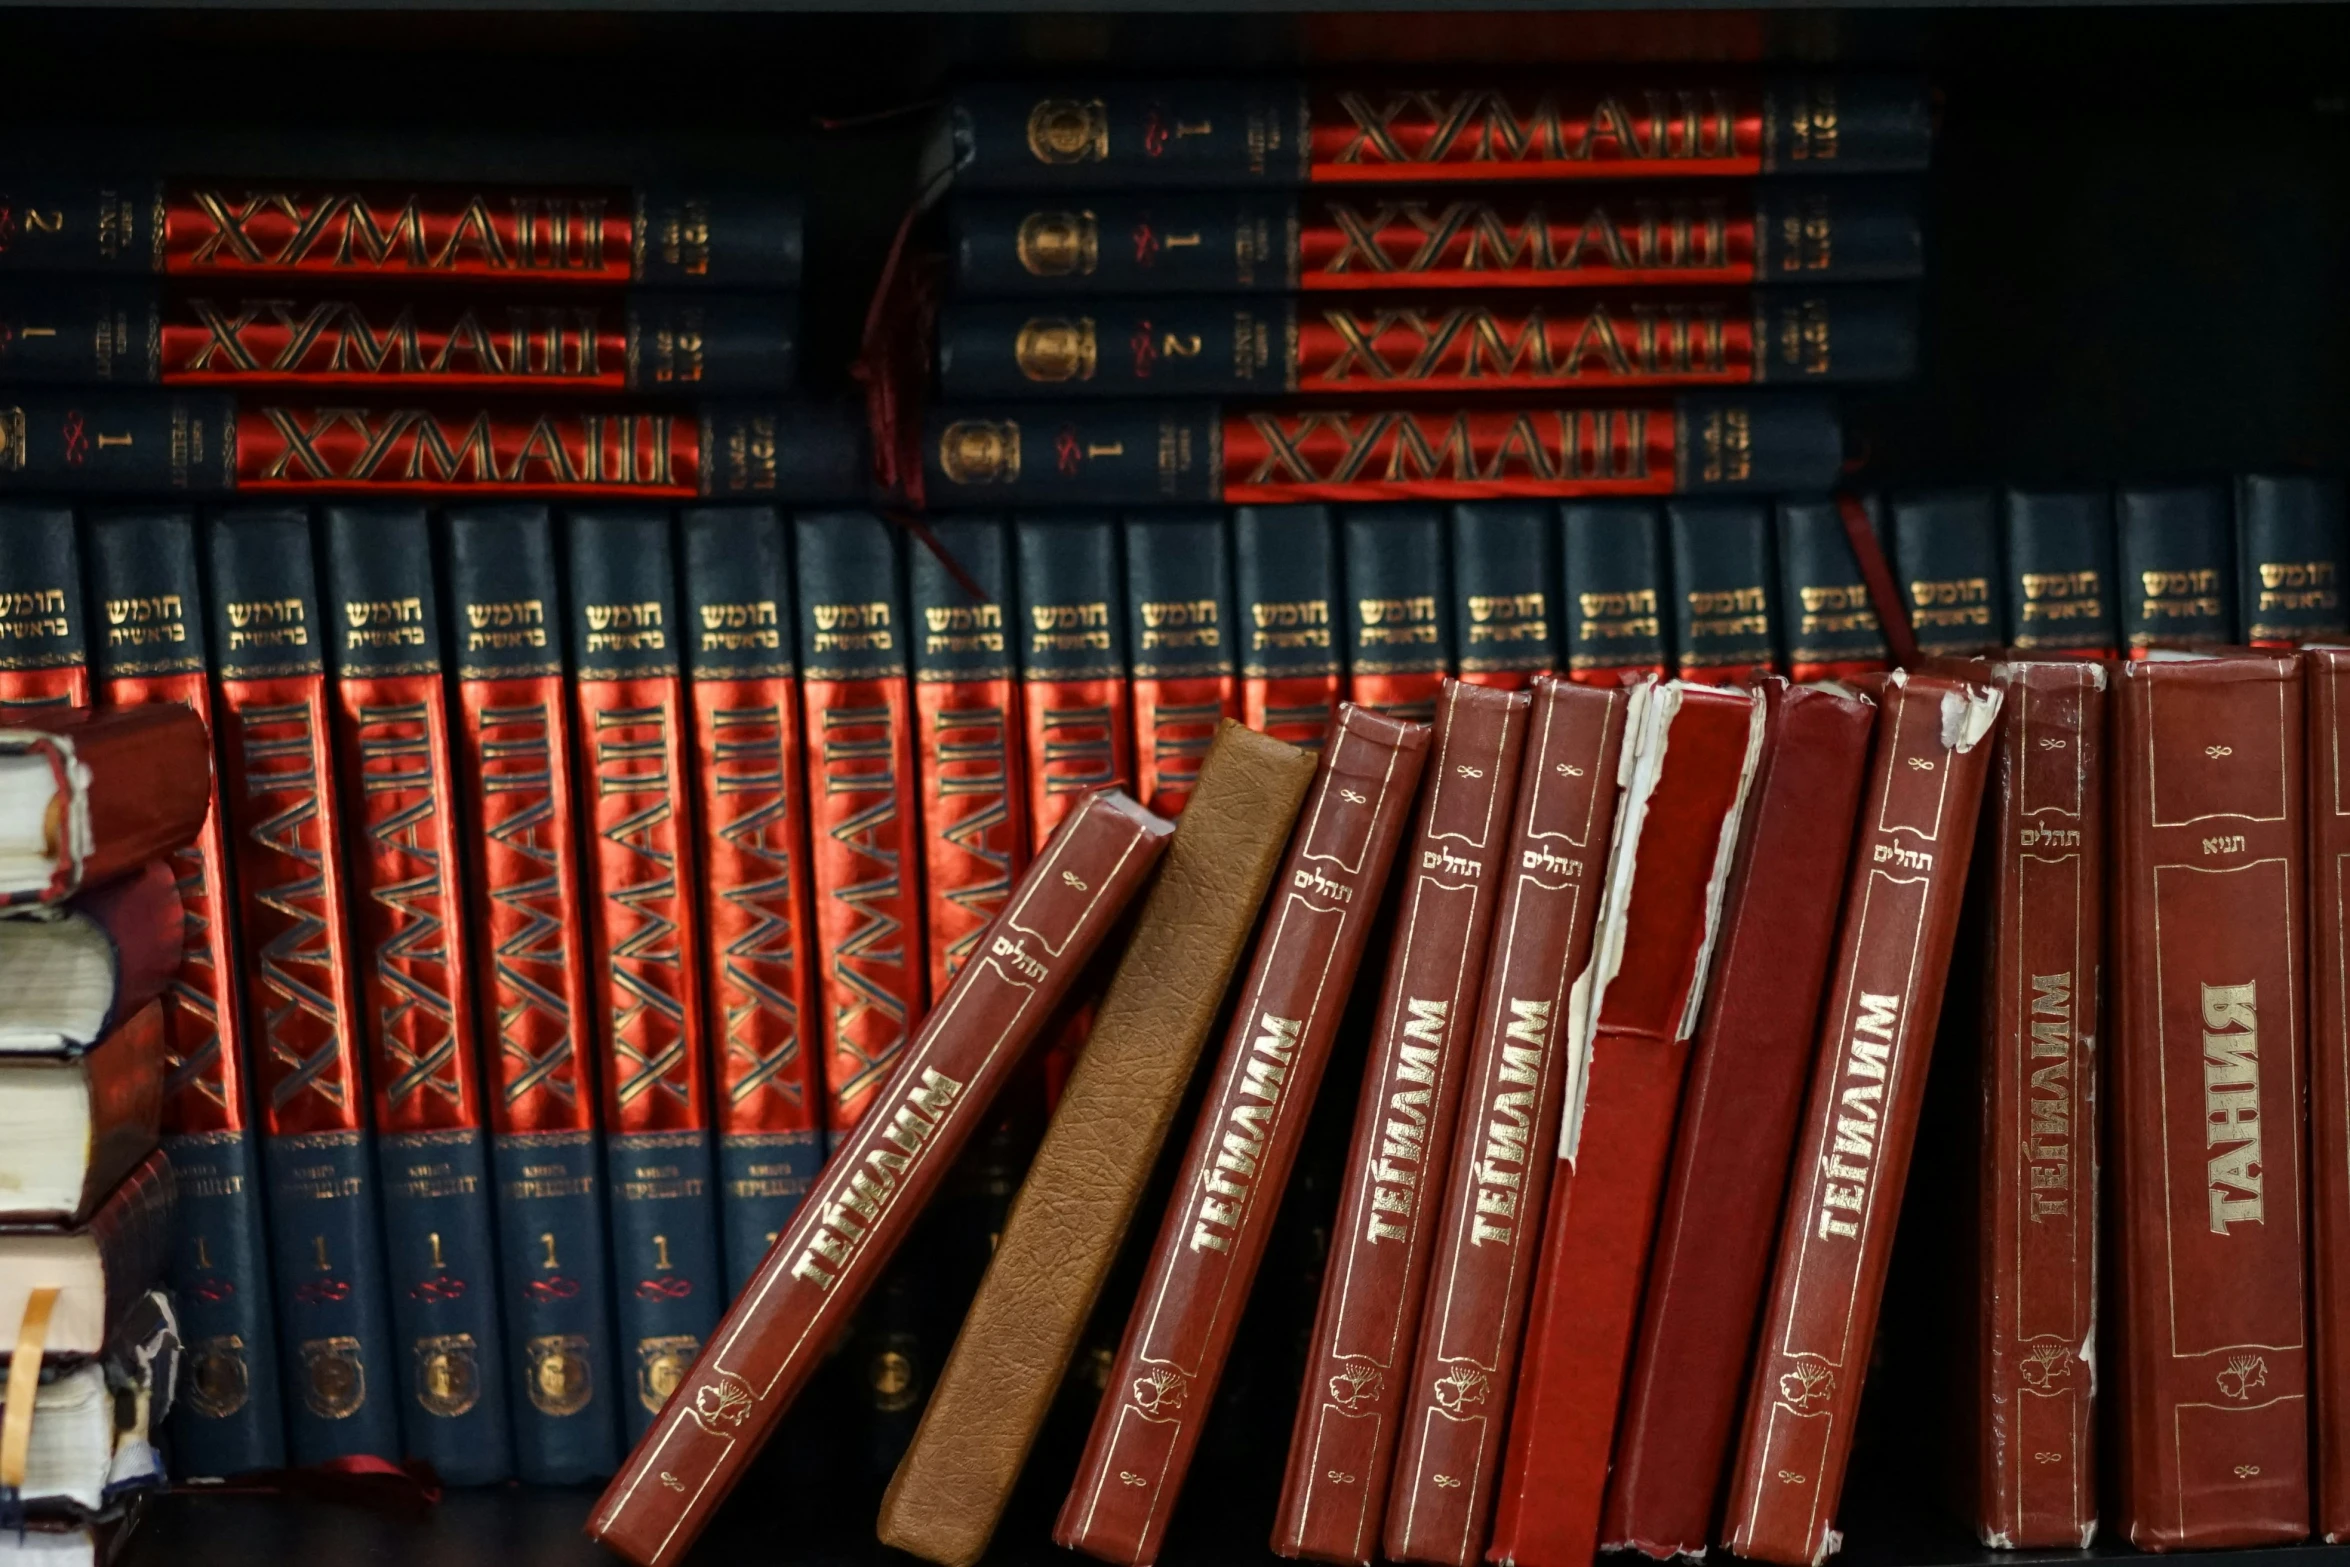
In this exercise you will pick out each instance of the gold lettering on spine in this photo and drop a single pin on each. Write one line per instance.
(857, 1206)
(1851, 1156)
(2231, 1106)
(1248, 1122)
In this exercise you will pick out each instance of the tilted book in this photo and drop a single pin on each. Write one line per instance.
(1285, 576)
(41, 609)
(2327, 671)
(1399, 633)
(1183, 633)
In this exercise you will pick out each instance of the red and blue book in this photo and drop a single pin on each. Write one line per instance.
(1285, 574)
(1507, 606)
(1181, 636)
(1398, 612)
(1072, 664)
(1616, 591)
(416, 966)
(1827, 616)
(1725, 615)
(44, 648)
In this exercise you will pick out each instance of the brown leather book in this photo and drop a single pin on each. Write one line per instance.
(806, 1291)
(1230, 1183)
(1073, 1211)
(1342, 1446)
(2211, 1378)
(2035, 1479)
(1491, 1223)
(2327, 674)
(1909, 871)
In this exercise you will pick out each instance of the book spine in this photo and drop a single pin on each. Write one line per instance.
(671, 235)
(2293, 549)
(1835, 1238)
(265, 445)
(861, 787)
(77, 332)
(2213, 1381)
(1241, 242)
(1081, 135)
(1690, 754)
(1342, 1443)
(46, 663)
(1073, 657)
(1399, 631)
(336, 1341)
(1944, 548)
(1614, 556)
(523, 826)
(1829, 620)
(844, 1236)
(227, 1420)
(1498, 1177)
(2059, 579)
(1505, 598)
(645, 950)
(1118, 453)
(2177, 561)
(2328, 675)
(969, 749)
(2038, 1231)
(1285, 573)
(760, 972)
(1726, 611)
(1183, 630)
(416, 987)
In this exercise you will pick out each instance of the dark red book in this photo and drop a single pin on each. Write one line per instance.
(1908, 875)
(1399, 634)
(759, 965)
(1483, 1267)
(2210, 1372)
(1183, 636)
(1205, 1262)
(1736, 1129)
(2328, 675)
(1072, 664)
(1691, 753)
(1285, 573)
(865, 865)
(1342, 1444)
(46, 658)
(842, 1239)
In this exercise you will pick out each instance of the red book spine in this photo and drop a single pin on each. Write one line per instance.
(1342, 1444)
(1736, 1131)
(1072, 666)
(1372, 134)
(1205, 1261)
(2212, 1388)
(1836, 1236)
(2329, 1061)
(1285, 574)
(1499, 1175)
(1692, 753)
(46, 662)
(1182, 629)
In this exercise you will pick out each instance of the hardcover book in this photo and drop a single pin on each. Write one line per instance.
(108, 1264)
(1399, 631)
(2059, 580)
(1213, 1239)
(1736, 1129)
(415, 963)
(1690, 757)
(1183, 632)
(1827, 617)
(47, 661)
(1725, 607)
(653, 1041)
(86, 332)
(1342, 1443)
(2327, 671)
(1908, 875)
(1944, 548)
(866, 861)
(1109, 452)
(1124, 242)
(527, 907)
(337, 1350)
(1505, 599)
(842, 1238)
(1285, 569)
(672, 235)
(759, 965)
(76, 1116)
(1614, 556)
(155, 648)
(2211, 1361)
(97, 794)
(2177, 558)
(2292, 551)
(1072, 665)
(1079, 135)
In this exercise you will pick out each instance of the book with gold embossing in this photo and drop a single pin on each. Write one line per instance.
(1184, 638)
(47, 662)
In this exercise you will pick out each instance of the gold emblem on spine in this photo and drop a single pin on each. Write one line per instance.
(661, 1364)
(896, 1385)
(1059, 244)
(722, 1402)
(980, 451)
(11, 440)
(1055, 348)
(334, 1377)
(560, 1381)
(219, 1381)
(1069, 130)
(448, 1377)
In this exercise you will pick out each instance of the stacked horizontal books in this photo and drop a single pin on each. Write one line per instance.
(91, 809)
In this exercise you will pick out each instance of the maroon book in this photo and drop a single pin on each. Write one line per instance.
(2328, 675)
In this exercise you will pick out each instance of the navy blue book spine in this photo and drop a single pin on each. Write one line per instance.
(2177, 561)
(1613, 556)
(2292, 550)
(337, 1342)
(2059, 580)
(1725, 617)
(1945, 554)
(1839, 231)
(228, 1419)
(1221, 242)
(1399, 623)
(1827, 619)
(1285, 578)
(1505, 590)
(557, 1283)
